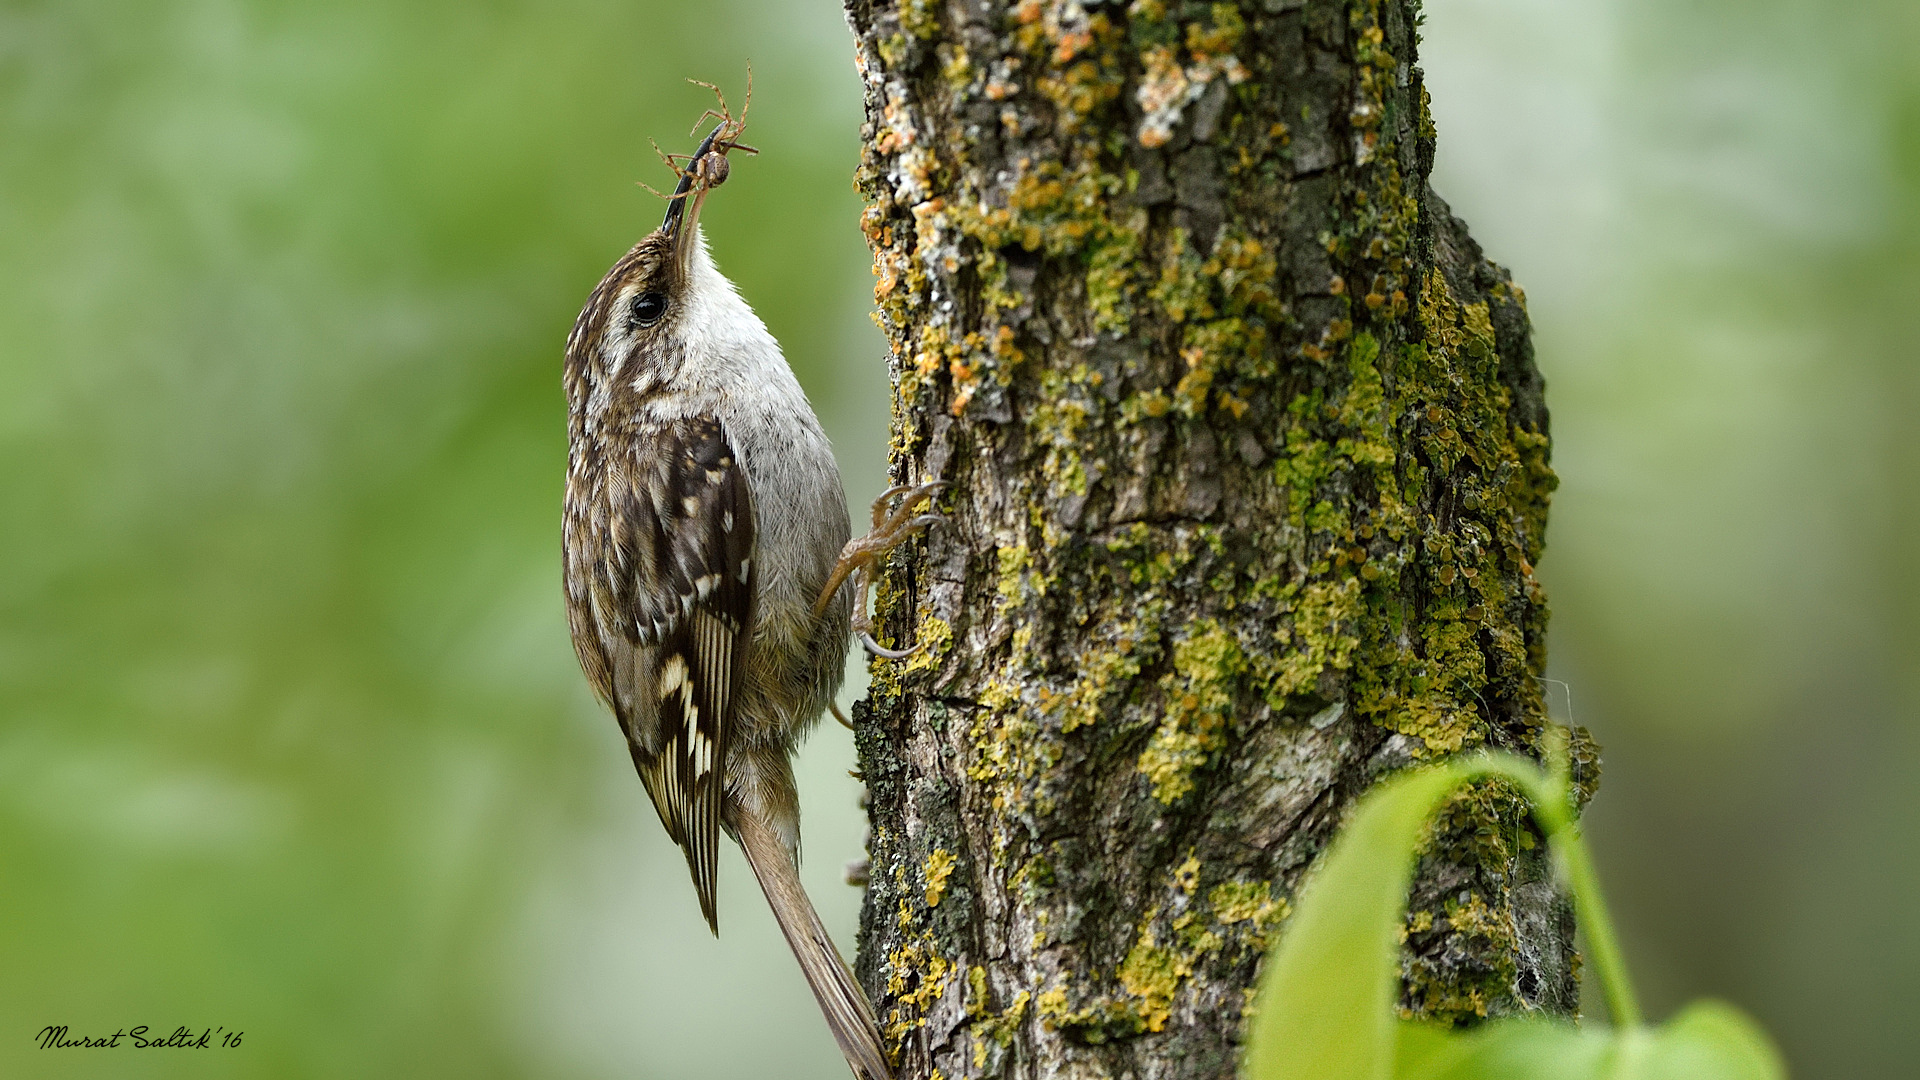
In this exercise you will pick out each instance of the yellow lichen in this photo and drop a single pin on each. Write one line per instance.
(917, 976)
(934, 637)
(1052, 1006)
(937, 868)
(1186, 876)
(1207, 665)
(1249, 902)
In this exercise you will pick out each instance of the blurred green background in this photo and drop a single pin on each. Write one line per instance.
(291, 737)
(1715, 208)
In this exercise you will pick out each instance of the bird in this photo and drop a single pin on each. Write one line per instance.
(711, 585)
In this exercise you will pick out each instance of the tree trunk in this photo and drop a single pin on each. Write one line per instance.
(1248, 467)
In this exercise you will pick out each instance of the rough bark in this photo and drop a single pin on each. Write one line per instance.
(1248, 466)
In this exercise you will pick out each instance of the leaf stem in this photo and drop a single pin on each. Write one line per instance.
(1552, 799)
(1591, 910)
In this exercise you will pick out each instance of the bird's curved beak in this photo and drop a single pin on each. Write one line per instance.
(683, 212)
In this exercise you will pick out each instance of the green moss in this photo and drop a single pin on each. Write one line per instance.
(919, 18)
(1008, 751)
(977, 1001)
(1200, 694)
(1249, 908)
(884, 683)
(1322, 636)
(1012, 564)
(1230, 318)
(1434, 692)
(1442, 994)
(991, 1029)
(1151, 974)
(1155, 966)
(1059, 422)
(1105, 668)
(1488, 825)
(1082, 88)
(958, 71)
(1148, 26)
(1112, 277)
(1221, 38)
(1186, 876)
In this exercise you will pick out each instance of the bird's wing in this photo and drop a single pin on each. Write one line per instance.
(682, 542)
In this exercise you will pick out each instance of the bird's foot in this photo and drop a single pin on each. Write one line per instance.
(896, 519)
(834, 708)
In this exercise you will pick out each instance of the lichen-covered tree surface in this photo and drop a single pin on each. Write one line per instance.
(1247, 456)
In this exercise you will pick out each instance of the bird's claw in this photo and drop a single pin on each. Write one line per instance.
(895, 520)
(886, 522)
(881, 651)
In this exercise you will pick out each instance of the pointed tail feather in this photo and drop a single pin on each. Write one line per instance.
(842, 1001)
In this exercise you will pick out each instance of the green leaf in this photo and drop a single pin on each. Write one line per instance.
(1519, 1049)
(1326, 997)
(1326, 1005)
(1711, 1040)
(1708, 1041)
(1421, 1048)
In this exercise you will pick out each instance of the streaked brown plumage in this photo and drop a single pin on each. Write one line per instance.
(704, 528)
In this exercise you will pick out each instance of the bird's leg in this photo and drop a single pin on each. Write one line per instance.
(891, 528)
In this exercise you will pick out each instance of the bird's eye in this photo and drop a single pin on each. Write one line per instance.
(648, 307)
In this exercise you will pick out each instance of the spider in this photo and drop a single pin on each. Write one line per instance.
(707, 167)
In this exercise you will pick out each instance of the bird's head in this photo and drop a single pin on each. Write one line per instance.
(637, 305)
